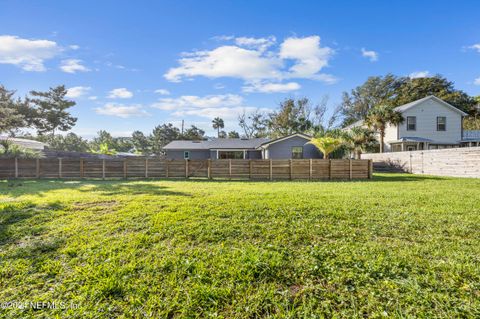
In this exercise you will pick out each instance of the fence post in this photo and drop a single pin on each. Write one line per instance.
(329, 169)
(16, 167)
(209, 168)
(146, 167)
(103, 168)
(271, 170)
(60, 167)
(82, 172)
(370, 168)
(37, 168)
(166, 168)
(310, 173)
(230, 169)
(290, 165)
(249, 169)
(351, 173)
(124, 168)
(186, 168)
(411, 169)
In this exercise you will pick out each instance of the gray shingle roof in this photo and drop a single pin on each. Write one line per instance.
(218, 143)
(31, 144)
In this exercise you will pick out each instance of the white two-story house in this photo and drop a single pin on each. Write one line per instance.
(429, 123)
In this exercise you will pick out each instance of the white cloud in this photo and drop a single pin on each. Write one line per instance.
(73, 66)
(120, 93)
(419, 74)
(29, 55)
(271, 87)
(226, 113)
(250, 60)
(475, 47)
(477, 81)
(226, 61)
(370, 54)
(121, 110)
(192, 101)
(228, 106)
(77, 91)
(309, 55)
(92, 98)
(74, 47)
(257, 43)
(162, 92)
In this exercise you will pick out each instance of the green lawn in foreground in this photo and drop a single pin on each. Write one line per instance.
(395, 246)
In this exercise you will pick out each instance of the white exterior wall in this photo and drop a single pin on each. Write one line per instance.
(426, 114)
(391, 134)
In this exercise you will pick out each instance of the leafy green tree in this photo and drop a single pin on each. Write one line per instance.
(414, 89)
(218, 124)
(377, 90)
(254, 125)
(104, 149)
(193, 133)
(326, 144)
(10, 117)
(379, 117)
(293, 116)
(161, 136)
(359, 139)
(51, 110)
(141, 143)
(233, 134)
(70, 142)
(123, 144)
(11, 150)
(103, 137)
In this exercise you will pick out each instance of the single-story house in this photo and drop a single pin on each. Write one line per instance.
(294, 146)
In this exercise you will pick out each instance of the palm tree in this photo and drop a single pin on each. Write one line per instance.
(379, 117)
(217, 124)
(358, 139)
(326, 144)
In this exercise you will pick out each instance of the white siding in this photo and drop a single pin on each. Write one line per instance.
(391, 134)
(426, 114)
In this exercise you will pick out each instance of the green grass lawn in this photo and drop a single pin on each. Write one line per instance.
(395, 246)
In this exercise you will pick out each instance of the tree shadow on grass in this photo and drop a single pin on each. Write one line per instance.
(39, 188)
(25, 219)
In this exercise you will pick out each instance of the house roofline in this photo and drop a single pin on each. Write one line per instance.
(266, 144)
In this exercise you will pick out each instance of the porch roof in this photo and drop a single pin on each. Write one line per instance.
(411, 139)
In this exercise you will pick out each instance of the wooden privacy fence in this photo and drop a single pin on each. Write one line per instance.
(159, 168)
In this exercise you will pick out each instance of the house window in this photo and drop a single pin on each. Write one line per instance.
(411, 123)
(441, 123)
(186, 155)
(230, 154)
(297, 152)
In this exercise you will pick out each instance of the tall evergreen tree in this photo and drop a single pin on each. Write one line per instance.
(11, 118)
(51, 110)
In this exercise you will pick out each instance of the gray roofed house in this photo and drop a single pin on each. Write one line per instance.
(26, 143)
(288, 147)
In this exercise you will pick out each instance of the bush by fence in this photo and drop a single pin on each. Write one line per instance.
(456, 162)
(159, 168)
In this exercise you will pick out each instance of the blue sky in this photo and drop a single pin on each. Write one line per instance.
(133, 65)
